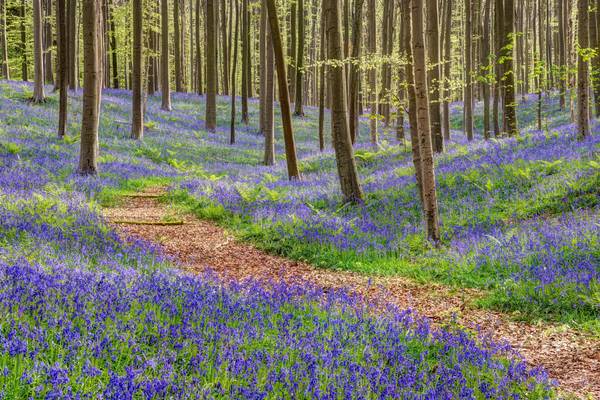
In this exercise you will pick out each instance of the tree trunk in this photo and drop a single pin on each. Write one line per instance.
(498, 34)
(299, 111)
(225, 50)
(510, 102)
(91, 12)
(164, 56)
(412, 97)
(583, 84)
(468, 100)
(433, 53)
(292, 48)
(562, 53)
(448, 68)
(354, 70)
(4, 70)
(269, 131)
(177, 46)
(62, 67)
(113, 45)
(73, 38)
(284, 99)
(211, 67)
(485, 64)
(245, 59)
(233, 74)
(24, 63)
(38, 54)
(322, 84)
(342, 143)
(425, 146)
(199, 63)
(595, 62)
(372, 49)
(48, 72)
(137, 113)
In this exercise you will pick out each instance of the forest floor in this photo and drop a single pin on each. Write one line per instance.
(569, 356)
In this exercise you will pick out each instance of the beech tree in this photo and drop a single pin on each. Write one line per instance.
(137, 112)
(164, 56)
(342, 142)
(91, 12)
(62, 71)
(4, 69)
(583, 82)
(468, 100)
(211, 67)
(38, 77)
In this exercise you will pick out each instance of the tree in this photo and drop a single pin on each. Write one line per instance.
(63, 65)
(284, 98)
(583, 83)
(137, 114)
(485, 62)
(198, 50)
(233, 74)
(468, 100)
(269, 131)
(23, 48)
(510, 102)
(177, 48)
(245, 59)
(88, 156)
(354, 75)
(211, 67)
(38, 76)
(4, 70)
(299, 111)
(164, 56)
(372, 78)
(322, 69)
(73, 38)
(425, 146)
(433, 53)
(447, 68)
(342, 144)
(113, 45)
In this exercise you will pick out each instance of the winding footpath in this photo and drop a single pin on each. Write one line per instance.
(569, 356)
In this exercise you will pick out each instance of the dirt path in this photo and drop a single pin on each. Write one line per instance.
(569, 356)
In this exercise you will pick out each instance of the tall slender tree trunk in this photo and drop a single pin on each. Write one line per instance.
(292, 48)
(419, 65)
(262, 64)
(595, 62)
(468, 101)
(447, 69)
(177, 46)
(322, 83)
(38, 57)
(269, 131)
(199, 62)
(354, 70)
(88, 156)
(73, 38)
(164, 56)
(211, 67)
(245, 59)
(433, 53)
(284, 99)
(47, 42)
(485, 65)
(137, 114)
(372, 49)
(510, 102)
(342, 144)
(113, 45)
(225, 50)
(233, 74)
(498, 34)
(583, 83)
(562, 53)
(24, 63)
(4, 69)
(63, 65)
(299, 110)
(405, 11)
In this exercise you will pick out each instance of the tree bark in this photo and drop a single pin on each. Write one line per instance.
(225, 50)
(4, 69)
(177, 46)
(510, 102)
(583, 85)
(91, 12)
(346, 164)
(299, 110)
(73, 38)
(38, 54)
(448, 69)
(372, 75)
(199, 63)
(433, 53)
(245, 60)
(498, 34)
(425, 146)
(137, 112)
(47, 42)
(292, 48)
(233, 74)
(211, 67)
(269, 131)
(322, 83)
(468, 100)
(284, 99)
(23, 48)
(354, 70)
(485, 65)
(62, 67)
(164, 56)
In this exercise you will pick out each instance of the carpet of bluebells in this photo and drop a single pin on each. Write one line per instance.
(84, 315)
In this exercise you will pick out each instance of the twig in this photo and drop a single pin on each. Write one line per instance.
(157, 223)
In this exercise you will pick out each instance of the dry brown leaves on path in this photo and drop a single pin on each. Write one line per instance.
(569, 356)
